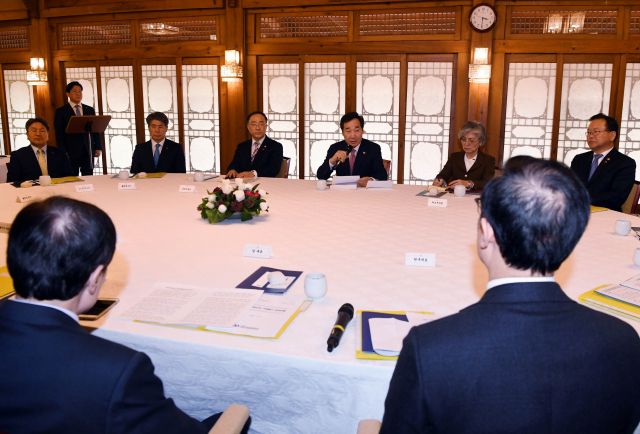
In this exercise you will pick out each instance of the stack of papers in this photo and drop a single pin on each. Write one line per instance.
(345, 183)
(623, 299)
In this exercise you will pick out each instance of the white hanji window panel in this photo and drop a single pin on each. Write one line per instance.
(160, 94)
(20, 106)
(586, 88)
(201, 117)
(324, 96)
(280, 83)
(378, 101)
(89, 81)
(428, 122)
(629, 142)
(118, 102)
(529, 116)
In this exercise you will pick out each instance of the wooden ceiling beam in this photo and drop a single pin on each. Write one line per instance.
(33, 6)
(133, 6)
(369, 47)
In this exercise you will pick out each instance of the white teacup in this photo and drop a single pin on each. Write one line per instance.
(315, 285)
(459, 190)
(45, 180)
(636, 257)
(123, 175)
(321, 184)
(623, 227)
(199, 176)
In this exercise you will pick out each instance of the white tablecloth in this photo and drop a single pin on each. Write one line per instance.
(3, 169)
(357, 238)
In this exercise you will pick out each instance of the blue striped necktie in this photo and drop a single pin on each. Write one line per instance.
(594, 165)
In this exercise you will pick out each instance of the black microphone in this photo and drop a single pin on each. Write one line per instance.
(349, 148)
(345, 313)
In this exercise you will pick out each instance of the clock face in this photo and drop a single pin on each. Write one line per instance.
(482, 17)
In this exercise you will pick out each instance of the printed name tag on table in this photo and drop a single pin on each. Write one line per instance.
(83, 188)
(421, 259)
(4, 228)
(441, 203)
(187, 189)
(255, 251)
(126, 186)
(26, 197)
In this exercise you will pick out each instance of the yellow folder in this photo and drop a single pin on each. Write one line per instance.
(66, 179)
(593, 299)
(152, 175)
(6, 282)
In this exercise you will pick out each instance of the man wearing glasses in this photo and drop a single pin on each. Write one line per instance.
(607, 173)
(259, 156)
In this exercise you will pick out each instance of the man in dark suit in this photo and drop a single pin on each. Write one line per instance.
(57, 377)
(76, 146)
(37, 159)
(607, 173)
(158, 154)
(260, 156)
(525, 358)
(354, 155)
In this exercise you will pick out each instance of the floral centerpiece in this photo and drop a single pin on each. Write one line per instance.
(245, 200)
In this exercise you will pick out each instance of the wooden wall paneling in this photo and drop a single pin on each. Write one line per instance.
(135, 34)
(251, 80)
(556, 108)
(402, 118)
(497, 100)
(226, 146)
(442, 36)
(335, 4)
(360, 47)
(622, 21)
(15, 15)
(100, 111)
(565, 46)
(622, 70)
(250, 28)
(301, 115)
(44, 101)
(141, 125)
(500, 29)
(354, 26)
(463, 19)
(153, 15)
(5, 109)
(462, 98)
(180, 102)
(626, 22)
(479, 92)
(351, 84)
(615, 83)
(107, 52)
(71, 8)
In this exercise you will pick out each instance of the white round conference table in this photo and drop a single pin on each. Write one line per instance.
(358, 239)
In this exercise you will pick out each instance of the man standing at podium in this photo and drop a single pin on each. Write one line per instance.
(76, 146)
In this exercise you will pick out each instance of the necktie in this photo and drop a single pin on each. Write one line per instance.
(594, 165)
(156, 154)
(78, 113)
(352, 160)
(256, 146)
(43, 163)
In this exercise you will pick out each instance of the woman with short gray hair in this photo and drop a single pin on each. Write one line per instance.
(471, 167)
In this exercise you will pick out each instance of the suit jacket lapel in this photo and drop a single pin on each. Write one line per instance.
(460, 163)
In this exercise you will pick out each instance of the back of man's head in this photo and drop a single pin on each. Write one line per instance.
(55, 245)
(538, 210)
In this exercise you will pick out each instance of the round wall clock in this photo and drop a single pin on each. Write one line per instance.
(482, 17)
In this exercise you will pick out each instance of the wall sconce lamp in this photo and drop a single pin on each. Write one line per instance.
(37, 75)
(480, 70)
(231, 70)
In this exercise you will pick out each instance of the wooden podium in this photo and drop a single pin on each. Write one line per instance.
(88, 125)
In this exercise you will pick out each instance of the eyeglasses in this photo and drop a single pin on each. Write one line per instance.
(260, 124)
(469, 141)
(594, 132)
(479, 203)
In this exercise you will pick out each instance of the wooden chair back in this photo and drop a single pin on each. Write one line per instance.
(387, 166)
(631, 204)
(284, 168)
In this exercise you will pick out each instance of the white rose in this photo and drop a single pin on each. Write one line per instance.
(264, 206)
(262, 193)
(210, 205)
(226, 189)
(211, 198)
(239, 194)
(239, 182)
(226, 181)
(222, 209)
(248, 187)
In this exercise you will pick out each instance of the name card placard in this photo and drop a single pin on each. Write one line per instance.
(84, 188)
(421, 259)
(26, 197)
(126, 186)
(4, 228)
(440, 203)
(255, 251)
(187, 189)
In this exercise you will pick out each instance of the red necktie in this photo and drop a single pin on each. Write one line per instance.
(352, 160)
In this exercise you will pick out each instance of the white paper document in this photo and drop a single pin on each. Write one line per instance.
(345, 179)
(266, 317)
(336, 187)
(387, 334)
(184, 304)
(380, 184)
(622, 293)
(634, 282)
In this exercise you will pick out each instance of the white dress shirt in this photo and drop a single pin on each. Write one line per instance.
(469, 162)
(505, 280)
(153, 146)
(604, 154)
(61, 309)
(73, 106)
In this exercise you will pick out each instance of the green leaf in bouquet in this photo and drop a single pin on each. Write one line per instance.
(245, 216)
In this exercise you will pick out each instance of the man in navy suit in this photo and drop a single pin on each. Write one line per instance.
(607, 173)
(158, 154)
(525, 358)
(259, 156)
(354, 155)
(56, 377)
(37, 159)
(76, 146)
